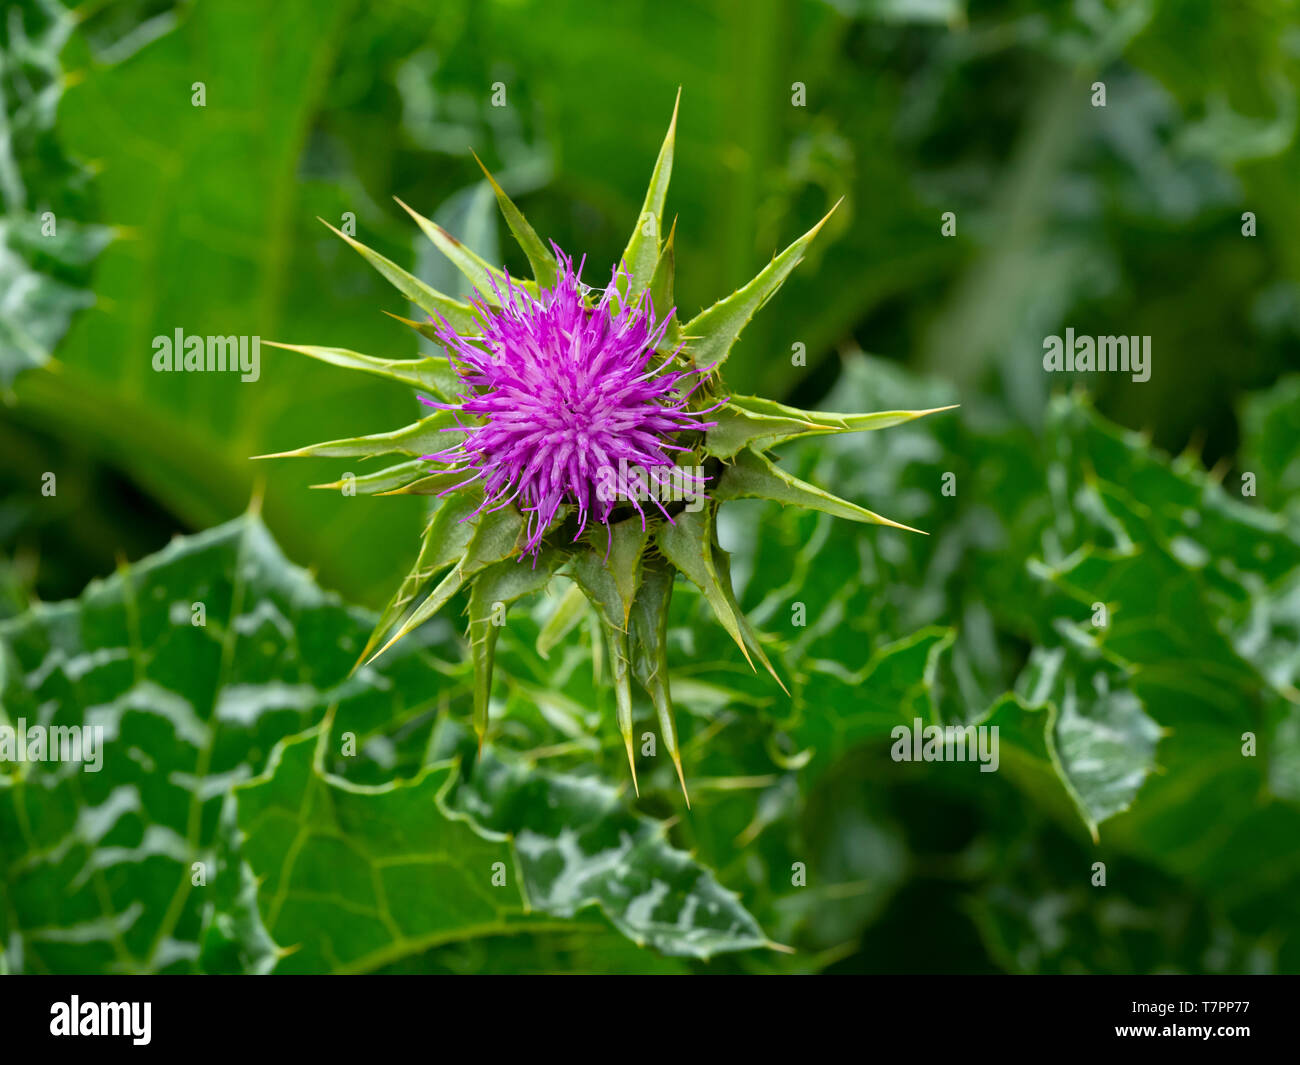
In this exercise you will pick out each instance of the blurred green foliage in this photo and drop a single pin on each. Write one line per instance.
(1124, 219)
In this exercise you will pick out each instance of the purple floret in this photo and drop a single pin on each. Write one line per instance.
(562, 397)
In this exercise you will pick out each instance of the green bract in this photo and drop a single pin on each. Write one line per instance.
(625, 571)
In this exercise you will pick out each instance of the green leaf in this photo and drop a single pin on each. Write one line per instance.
(894, 686)
(353, 878)
(183, 439)
(570, 947)
(195, 662)
(753, 476)
(1197, 642)
(761, 424)
(642, 252)
(1284, 765)
(46, 245)
(233, 938)
(540, 257)
(479, 273)
(315, 873)
(460, 316)
(712, 333)
(579, 846)
(1084, 723)
(1271, 445)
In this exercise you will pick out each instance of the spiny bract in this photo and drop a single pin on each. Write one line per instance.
(570, 425)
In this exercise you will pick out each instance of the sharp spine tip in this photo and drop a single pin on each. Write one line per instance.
(681, 777)
(631, 761)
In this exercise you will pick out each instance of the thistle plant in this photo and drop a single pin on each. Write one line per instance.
(582, 432)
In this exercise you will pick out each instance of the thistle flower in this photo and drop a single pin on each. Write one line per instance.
(561, 391)
(548, 390)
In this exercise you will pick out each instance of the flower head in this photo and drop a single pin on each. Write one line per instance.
(567, 396)
(563, 390)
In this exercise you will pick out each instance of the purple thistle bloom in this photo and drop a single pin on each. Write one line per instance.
(563, 399)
